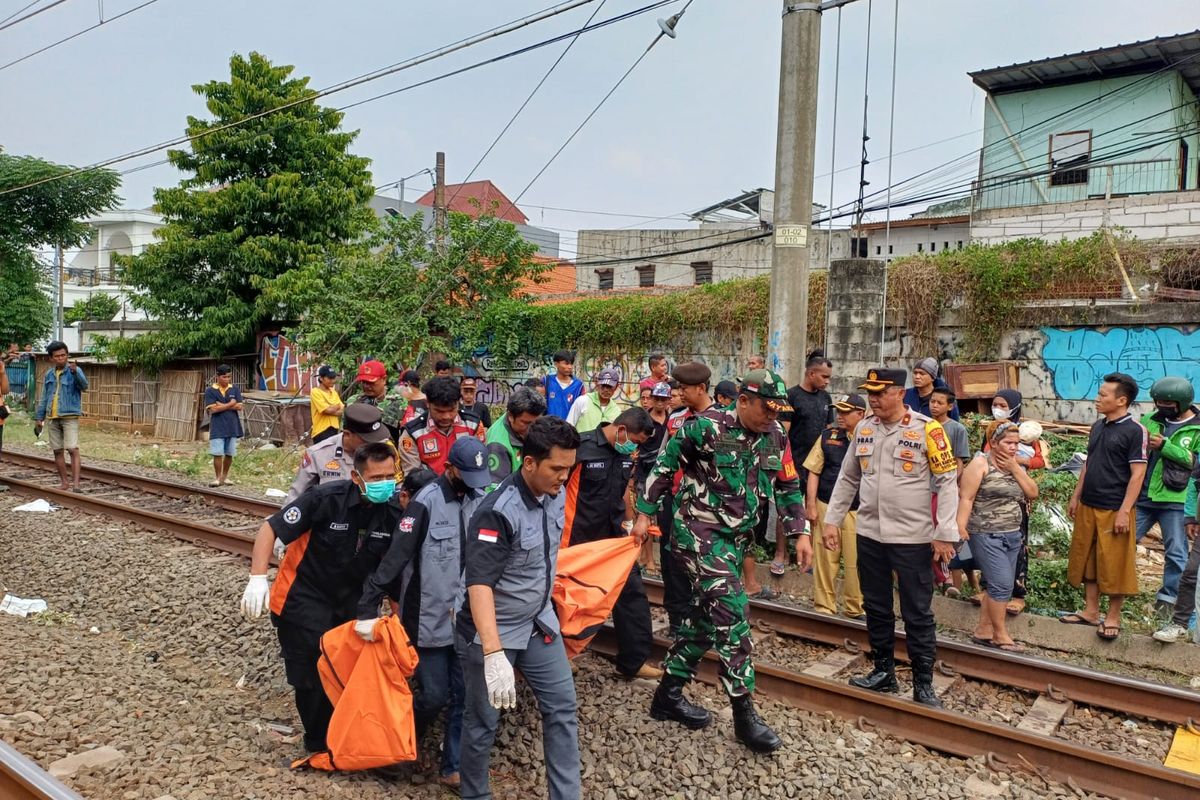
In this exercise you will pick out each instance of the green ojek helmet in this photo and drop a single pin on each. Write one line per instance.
(1173, 389)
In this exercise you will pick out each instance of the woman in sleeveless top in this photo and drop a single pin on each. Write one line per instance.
(992, 497)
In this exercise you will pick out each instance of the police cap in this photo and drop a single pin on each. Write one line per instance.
(692, 373)
(881, 378)
(365, 421)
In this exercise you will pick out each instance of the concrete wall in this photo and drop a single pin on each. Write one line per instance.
(1171, 216)
(744, 260)
(918, 239)
(853, 322)
(1136, 117)
(1063, 350)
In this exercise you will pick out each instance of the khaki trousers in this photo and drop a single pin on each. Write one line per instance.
(825, 569)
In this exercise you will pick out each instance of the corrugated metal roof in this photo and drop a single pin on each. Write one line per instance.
(1180, 51)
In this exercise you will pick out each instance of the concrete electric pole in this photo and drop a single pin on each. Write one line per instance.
(795, 156)
(439, 204)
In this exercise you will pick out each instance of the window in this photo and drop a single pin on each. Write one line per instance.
(878, 250)
(703, 271)
(933, 247)
(645, 275)
(605, 278)
(945, 245)
(960, 244)
(920, 247)
(858, 247)
(1069, 154)
(891, 248)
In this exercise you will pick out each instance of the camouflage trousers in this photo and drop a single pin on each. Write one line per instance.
(717, 618)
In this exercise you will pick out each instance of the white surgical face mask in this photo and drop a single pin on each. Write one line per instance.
(1001, 413)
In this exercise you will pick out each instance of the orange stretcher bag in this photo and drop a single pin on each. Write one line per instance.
(367, 683)
(588, 580)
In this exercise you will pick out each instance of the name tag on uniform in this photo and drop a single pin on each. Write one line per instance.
(596, 465)
(339, 526)
(380, 535)
(429, 446)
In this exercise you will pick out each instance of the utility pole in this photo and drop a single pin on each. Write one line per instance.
(794, 166)
(439, 203)
(58, 274)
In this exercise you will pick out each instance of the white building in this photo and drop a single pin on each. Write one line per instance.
(918, 234)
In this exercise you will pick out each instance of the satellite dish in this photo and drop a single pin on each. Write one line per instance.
(667, 26)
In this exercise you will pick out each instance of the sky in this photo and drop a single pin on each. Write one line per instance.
(693, 125)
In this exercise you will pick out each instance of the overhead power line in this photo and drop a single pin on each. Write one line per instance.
(75, 35)
(30, 15)
(341, 87)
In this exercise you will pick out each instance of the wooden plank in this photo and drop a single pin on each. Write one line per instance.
(1045, 715)
(179, 403)
(833, 663)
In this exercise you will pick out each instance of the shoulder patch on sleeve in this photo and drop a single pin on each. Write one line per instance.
(292, 515)
(406, 525)
(937, 449)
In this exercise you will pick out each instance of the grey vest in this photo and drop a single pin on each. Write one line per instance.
(441, 566)
(522, 594)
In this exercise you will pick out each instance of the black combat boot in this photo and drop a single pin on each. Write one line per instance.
(669, 703)
(749, 728)
(922, 670)
(882, 678)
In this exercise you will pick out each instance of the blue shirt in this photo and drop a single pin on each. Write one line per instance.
(913, 399)
(558, 399)
(224, 424)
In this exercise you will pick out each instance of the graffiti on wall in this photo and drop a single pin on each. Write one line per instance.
(1080, 358)
(281, 367)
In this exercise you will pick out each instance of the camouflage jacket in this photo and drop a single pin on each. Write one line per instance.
(391, 407)
(728, 474)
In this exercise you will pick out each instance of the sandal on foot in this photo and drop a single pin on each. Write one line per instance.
(1014, 607)
(982, 642)
(1073, 618)
(1108, 632)
(778, 567)
(1010, 647)
(765, 593)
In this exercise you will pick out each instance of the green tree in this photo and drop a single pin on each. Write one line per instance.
(36, 218)
(275, 195)
(401, 299)
(97, 306)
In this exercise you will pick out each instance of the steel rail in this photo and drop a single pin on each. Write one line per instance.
(188, 530)
(954, 733)
(1119, 693)
(142, 483)
(21, 779)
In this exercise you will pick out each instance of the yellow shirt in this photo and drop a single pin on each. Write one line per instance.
(58, 373)
(318, 400)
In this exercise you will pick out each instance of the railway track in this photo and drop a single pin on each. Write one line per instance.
(945, 731)
(21, 779)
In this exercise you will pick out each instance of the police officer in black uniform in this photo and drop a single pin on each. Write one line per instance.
(342, 530)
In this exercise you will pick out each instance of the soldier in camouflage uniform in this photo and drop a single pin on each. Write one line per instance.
(732, 460)
(373, 390)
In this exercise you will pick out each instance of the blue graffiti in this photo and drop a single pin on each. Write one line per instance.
(1080, 358)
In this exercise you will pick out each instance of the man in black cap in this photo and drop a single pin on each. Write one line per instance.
(901, 460)
(823, 464)
(693, 378)
(333, 458)
(324, 406)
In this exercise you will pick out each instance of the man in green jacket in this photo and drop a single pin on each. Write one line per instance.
(1174, 438)
(504, 437)
(1185, 605)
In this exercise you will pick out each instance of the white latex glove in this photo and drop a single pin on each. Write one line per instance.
(256, 597)
(501, 683)
(279, 550)
(365, 628)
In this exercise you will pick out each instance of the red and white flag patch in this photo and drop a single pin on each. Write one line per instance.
(488, 535)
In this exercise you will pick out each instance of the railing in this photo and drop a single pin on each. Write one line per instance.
(1082, 182)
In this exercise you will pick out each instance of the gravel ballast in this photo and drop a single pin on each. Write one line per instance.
(143, 651)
